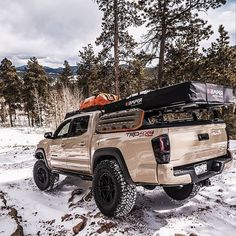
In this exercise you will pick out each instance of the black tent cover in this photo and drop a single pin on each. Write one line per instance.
(195, 94)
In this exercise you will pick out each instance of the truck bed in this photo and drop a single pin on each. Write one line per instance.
(189, 143)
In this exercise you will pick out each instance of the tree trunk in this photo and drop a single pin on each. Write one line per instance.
(2, 112)
(162, 48)
(10, 115)
(38, 107)
(28, 116)
(32, 121)
(116, 48)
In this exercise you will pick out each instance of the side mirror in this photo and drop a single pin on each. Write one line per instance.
(48, 135)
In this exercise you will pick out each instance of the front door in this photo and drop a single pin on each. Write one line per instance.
(76, 146)
(56, 153)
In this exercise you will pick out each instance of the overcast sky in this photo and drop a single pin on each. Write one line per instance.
(55, 30)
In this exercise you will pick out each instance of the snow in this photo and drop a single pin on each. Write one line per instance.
(211, 212)
(7, 225)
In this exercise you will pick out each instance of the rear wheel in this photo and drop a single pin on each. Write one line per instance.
(182, 192)
(43, 177)
(149, 187)
(112, 194)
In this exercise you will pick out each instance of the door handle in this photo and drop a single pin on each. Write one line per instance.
(202, 137)
(82, 144)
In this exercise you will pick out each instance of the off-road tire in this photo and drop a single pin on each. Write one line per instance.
(149, 187)
(122, 195)
(182, 193)
(43, 177)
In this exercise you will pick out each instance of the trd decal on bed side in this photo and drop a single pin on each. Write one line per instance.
(143, 133)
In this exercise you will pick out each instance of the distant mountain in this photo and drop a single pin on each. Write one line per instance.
(49, 70)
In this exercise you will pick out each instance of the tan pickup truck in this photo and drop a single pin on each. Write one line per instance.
(122, 150)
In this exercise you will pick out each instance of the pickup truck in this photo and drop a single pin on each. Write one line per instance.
(178, 151)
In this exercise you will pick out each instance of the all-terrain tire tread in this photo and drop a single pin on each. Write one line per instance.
(128, 191)
(52, 176)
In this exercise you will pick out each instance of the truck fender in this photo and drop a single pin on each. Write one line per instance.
(113, 154)
(40, 155)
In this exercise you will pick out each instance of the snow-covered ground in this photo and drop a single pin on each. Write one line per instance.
(22, 205)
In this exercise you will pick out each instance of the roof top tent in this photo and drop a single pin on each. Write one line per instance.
(187, 95)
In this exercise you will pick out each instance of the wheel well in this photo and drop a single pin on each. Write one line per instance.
(99, 159)
(40, 155)
(112, 154)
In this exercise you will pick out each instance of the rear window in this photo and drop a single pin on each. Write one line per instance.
(79, 126)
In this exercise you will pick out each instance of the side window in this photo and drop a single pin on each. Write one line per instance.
(63, 130)
(79, 126)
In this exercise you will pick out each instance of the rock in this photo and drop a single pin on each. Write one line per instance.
(13, 213)
(65, 217)
(75, 192)
(218, 201)
(88, 196)
(50, 222)
(106, 227)
(18, 232)
(2, 197)
(71, 205)
(221, 190)
(98, 215)
(180, 234)
(192, 234)
(80, 226)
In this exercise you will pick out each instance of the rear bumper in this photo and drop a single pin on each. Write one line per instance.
(169, 175)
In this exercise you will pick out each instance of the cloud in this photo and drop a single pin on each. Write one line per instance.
(225, 15)
(48, 29)
(55, 30)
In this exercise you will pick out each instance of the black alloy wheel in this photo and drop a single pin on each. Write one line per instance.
(107, 189)
(43, 177)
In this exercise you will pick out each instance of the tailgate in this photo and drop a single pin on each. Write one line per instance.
(194, 143)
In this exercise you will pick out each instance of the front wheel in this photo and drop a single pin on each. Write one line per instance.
(43, 177)
(112, 194)
(182, 192)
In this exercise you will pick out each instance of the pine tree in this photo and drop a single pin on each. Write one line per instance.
(10, 86)
(87, 69)
(183, 59)
(35, 90)
(135, 79)
(65, 75)
(168, 20)
(219, 66)
(219, 61)
(118, 15)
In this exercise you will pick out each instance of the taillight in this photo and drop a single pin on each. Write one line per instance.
(161, 148)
